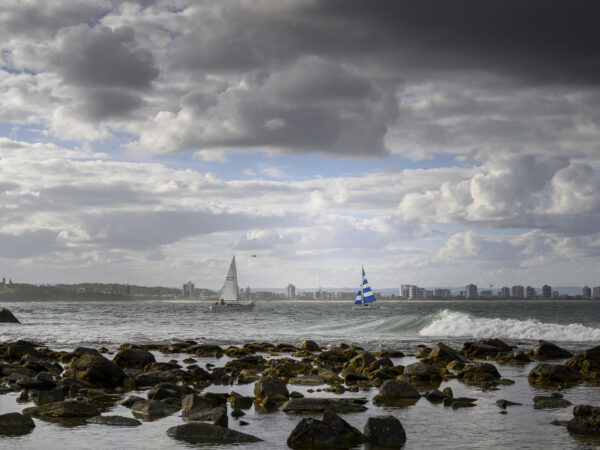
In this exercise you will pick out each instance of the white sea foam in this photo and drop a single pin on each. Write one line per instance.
(458, 324)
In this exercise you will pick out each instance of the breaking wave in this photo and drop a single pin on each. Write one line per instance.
(459, 324)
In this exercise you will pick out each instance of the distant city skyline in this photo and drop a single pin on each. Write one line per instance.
(146, 143)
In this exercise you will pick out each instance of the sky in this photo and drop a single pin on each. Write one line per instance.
(434, 143)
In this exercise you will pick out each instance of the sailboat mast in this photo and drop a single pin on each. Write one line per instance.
(362, 285)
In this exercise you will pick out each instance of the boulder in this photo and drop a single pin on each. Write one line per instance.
(15, 423)
(516, 357)
(240, 402)
(311, 346)
(586, 420)
(216, 415)
(7, 317)
(116, 421)
(153, 409)
(484, 348)
(555, 400)
(460, 402)
(330, 432)
(421, 373)
(271, 387)
(67, 408)
(478, 373)
(444, 354)
(315, 405)
(435, 396)
(96, 370)
(133, 358)
(308, 380)
(396, 393)
(16, 350)
(553, 374)
(359, 363)
(385, 431)
(209, 433)
(193, 401)
(389, 354)
(587, 362)
(547, 350)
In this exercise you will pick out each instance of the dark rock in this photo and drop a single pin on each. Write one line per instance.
(359, 363)
(505, 403)
(553, 374)
(67, 408)
(587, 362)
(154, 377)
(217, 415)
(193, 401)
(547, 350)
(241, 402)
(237, 413)
(117, 421)
(209, 433)
(484, 348)
(447, 391)
(153, 409)
(16, 350)
(385, 431)
(330, 432)
(311, 346)
(296, 394)
(307, 380)
(95, 369)
(271, 387)
(314, 405)
(461, 402)
(389, 354)
(7, 317)
(396, 393)
(15, 423)
(133, 358)
(129, 401)
(215, 398)
(516, 357)
(478, 373)
(354, 378)
(543, 402)
(421, 373)
(45, 397)
(444, 354)
(435, 396)
(586, 420)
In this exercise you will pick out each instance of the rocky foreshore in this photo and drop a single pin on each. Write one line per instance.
(84, 385)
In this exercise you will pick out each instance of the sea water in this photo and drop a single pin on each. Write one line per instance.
(574, 325)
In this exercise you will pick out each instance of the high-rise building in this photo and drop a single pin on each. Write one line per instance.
(471, 291)
(290, 291)
(546, 291)
(416, 293)
(188, 290)
(518, 292)
(530, 292)
(587, 292)
(404, 290)
(596, 292)
(442, 293)
(505, 292)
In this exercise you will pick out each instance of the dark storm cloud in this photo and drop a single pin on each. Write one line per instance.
(100, 104)
(102, 57)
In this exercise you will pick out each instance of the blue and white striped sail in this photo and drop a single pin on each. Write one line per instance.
(365, 295)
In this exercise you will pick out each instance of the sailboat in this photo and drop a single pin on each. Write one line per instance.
(229, 298)
(365, 296)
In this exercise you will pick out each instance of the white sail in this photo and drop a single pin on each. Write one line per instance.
(229, 292)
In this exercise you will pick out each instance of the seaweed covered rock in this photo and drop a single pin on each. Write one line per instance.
(422, 373)
(384, 431)
(485, 348)
(330, 432)
(133, 358)
(478, 373)
(201, 432)
(271, 387)
(396, 393)
(544, 350)
(587, 362)
(314, 405)
(67, 408)
(553, 374)
(443, 354)
(115, 421)
(555, 400)
(586, 420)
(15, 423)
(94, 369)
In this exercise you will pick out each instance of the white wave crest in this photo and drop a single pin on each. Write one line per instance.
(457, 324)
